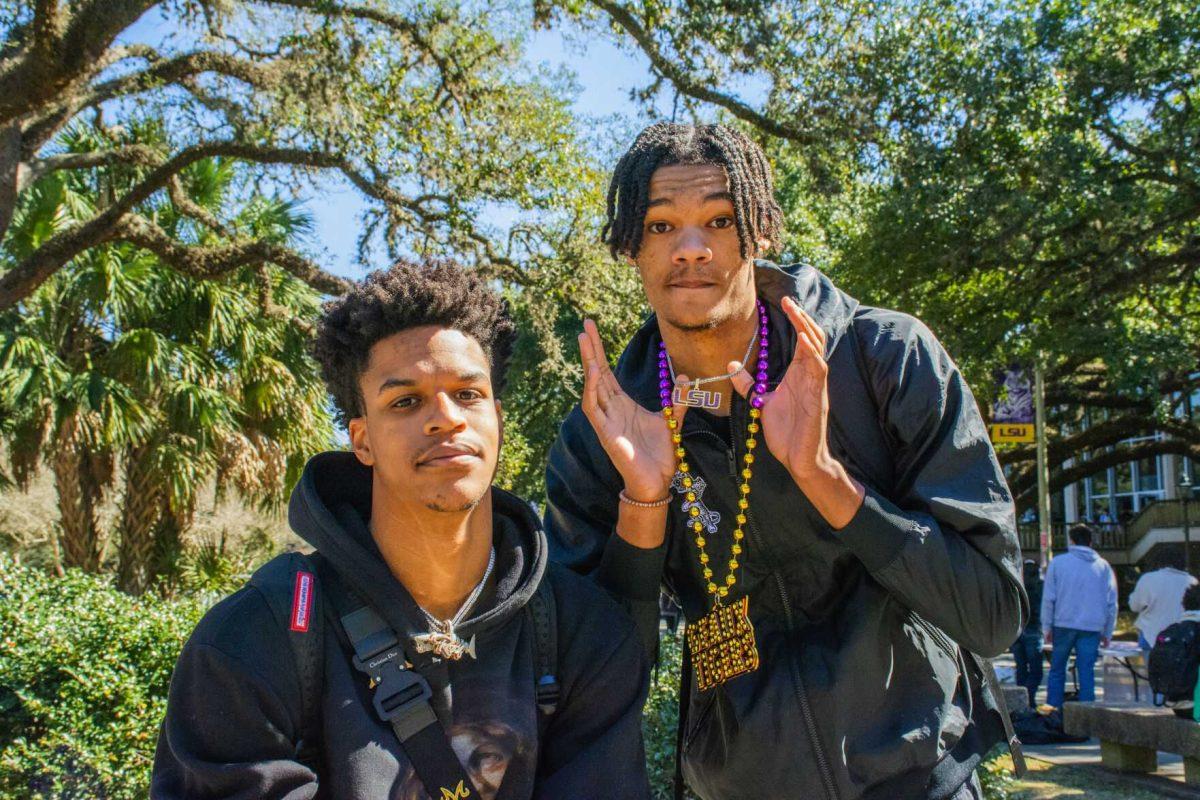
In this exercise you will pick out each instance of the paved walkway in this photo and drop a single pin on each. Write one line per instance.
(1170, 765)
(1113, 679)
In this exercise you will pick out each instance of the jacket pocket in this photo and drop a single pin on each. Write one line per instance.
(960, 708)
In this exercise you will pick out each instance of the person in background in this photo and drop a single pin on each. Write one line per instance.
(1158, 597)
(1079, 612)
(1027, 649)
(1189, 618)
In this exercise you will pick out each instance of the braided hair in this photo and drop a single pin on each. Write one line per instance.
(664, 144)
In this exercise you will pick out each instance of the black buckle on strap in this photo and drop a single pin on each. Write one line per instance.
(400, 695)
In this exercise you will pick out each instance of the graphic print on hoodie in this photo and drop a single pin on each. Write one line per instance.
(234, 713)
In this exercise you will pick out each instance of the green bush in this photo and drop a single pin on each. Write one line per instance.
(996, 776)
(84, 672)
(660, 718)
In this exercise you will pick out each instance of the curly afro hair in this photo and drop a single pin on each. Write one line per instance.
(408, 296)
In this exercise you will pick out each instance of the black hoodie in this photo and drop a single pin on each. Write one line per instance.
(234, 711)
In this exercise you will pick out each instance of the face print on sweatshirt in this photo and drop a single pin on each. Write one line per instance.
(486, 750)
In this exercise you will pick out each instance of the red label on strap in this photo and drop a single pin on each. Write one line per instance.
(302, 602)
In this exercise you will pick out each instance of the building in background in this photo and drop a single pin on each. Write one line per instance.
(1133, 507)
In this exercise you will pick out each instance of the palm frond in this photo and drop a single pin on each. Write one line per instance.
(110, 412)
(276, 219)
(143, 358)
(198, 410)
(30, 371)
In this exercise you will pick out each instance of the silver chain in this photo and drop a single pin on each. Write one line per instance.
(447, 626)
(696, 384)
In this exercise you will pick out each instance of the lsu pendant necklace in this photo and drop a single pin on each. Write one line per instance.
(690, 394)
(442, 639)
(721, 643)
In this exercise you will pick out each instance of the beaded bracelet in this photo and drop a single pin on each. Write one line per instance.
(639, 504)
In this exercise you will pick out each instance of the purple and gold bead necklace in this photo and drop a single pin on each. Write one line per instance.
(756, 403)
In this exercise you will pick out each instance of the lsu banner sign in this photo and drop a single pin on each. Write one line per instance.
(1012, 413)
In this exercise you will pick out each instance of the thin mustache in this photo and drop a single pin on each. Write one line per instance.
(690, 276)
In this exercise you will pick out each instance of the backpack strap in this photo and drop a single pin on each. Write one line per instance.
(1015, 747)
(542, 610)
(288, 584)
(400, 694)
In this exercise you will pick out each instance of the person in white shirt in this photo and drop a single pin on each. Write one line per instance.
(1158, 597)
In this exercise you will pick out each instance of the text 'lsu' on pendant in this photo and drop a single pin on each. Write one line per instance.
(721, 644)
(697, 398)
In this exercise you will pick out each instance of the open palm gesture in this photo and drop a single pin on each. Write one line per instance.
(637, 441)
(795, 416)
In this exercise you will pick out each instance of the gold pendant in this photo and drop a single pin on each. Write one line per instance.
(721, 644)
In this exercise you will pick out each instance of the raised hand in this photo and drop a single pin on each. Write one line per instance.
(637, 441)
(795, 417)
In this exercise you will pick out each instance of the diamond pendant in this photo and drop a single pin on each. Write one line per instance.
(697, 398)
(445, 644)
(721, 644)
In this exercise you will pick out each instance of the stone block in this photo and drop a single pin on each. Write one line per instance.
(1134, 725)
(1016, 698)
(1124, 758)
(1191, 771)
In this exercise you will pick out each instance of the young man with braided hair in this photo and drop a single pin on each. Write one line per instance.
(829, 511)
(426, 651)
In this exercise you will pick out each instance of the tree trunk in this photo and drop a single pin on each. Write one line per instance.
(168, 537)
(79, 494)
(141, 510)
(11, 169)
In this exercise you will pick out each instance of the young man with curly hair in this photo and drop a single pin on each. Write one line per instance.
(828, 512)
(426, 649)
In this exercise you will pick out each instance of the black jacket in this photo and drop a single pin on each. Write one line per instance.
(1034, 623)
(233, 718)
(859, 691)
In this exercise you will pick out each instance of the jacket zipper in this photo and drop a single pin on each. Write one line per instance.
(937, 634)
(801, 696)
(810, 722)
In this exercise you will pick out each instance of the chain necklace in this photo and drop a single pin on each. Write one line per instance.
(722, 642)
(693, 396)
(441, 638)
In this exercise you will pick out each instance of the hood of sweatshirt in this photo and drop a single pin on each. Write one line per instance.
(1082, 552)
(830, 308)
(330, 508)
